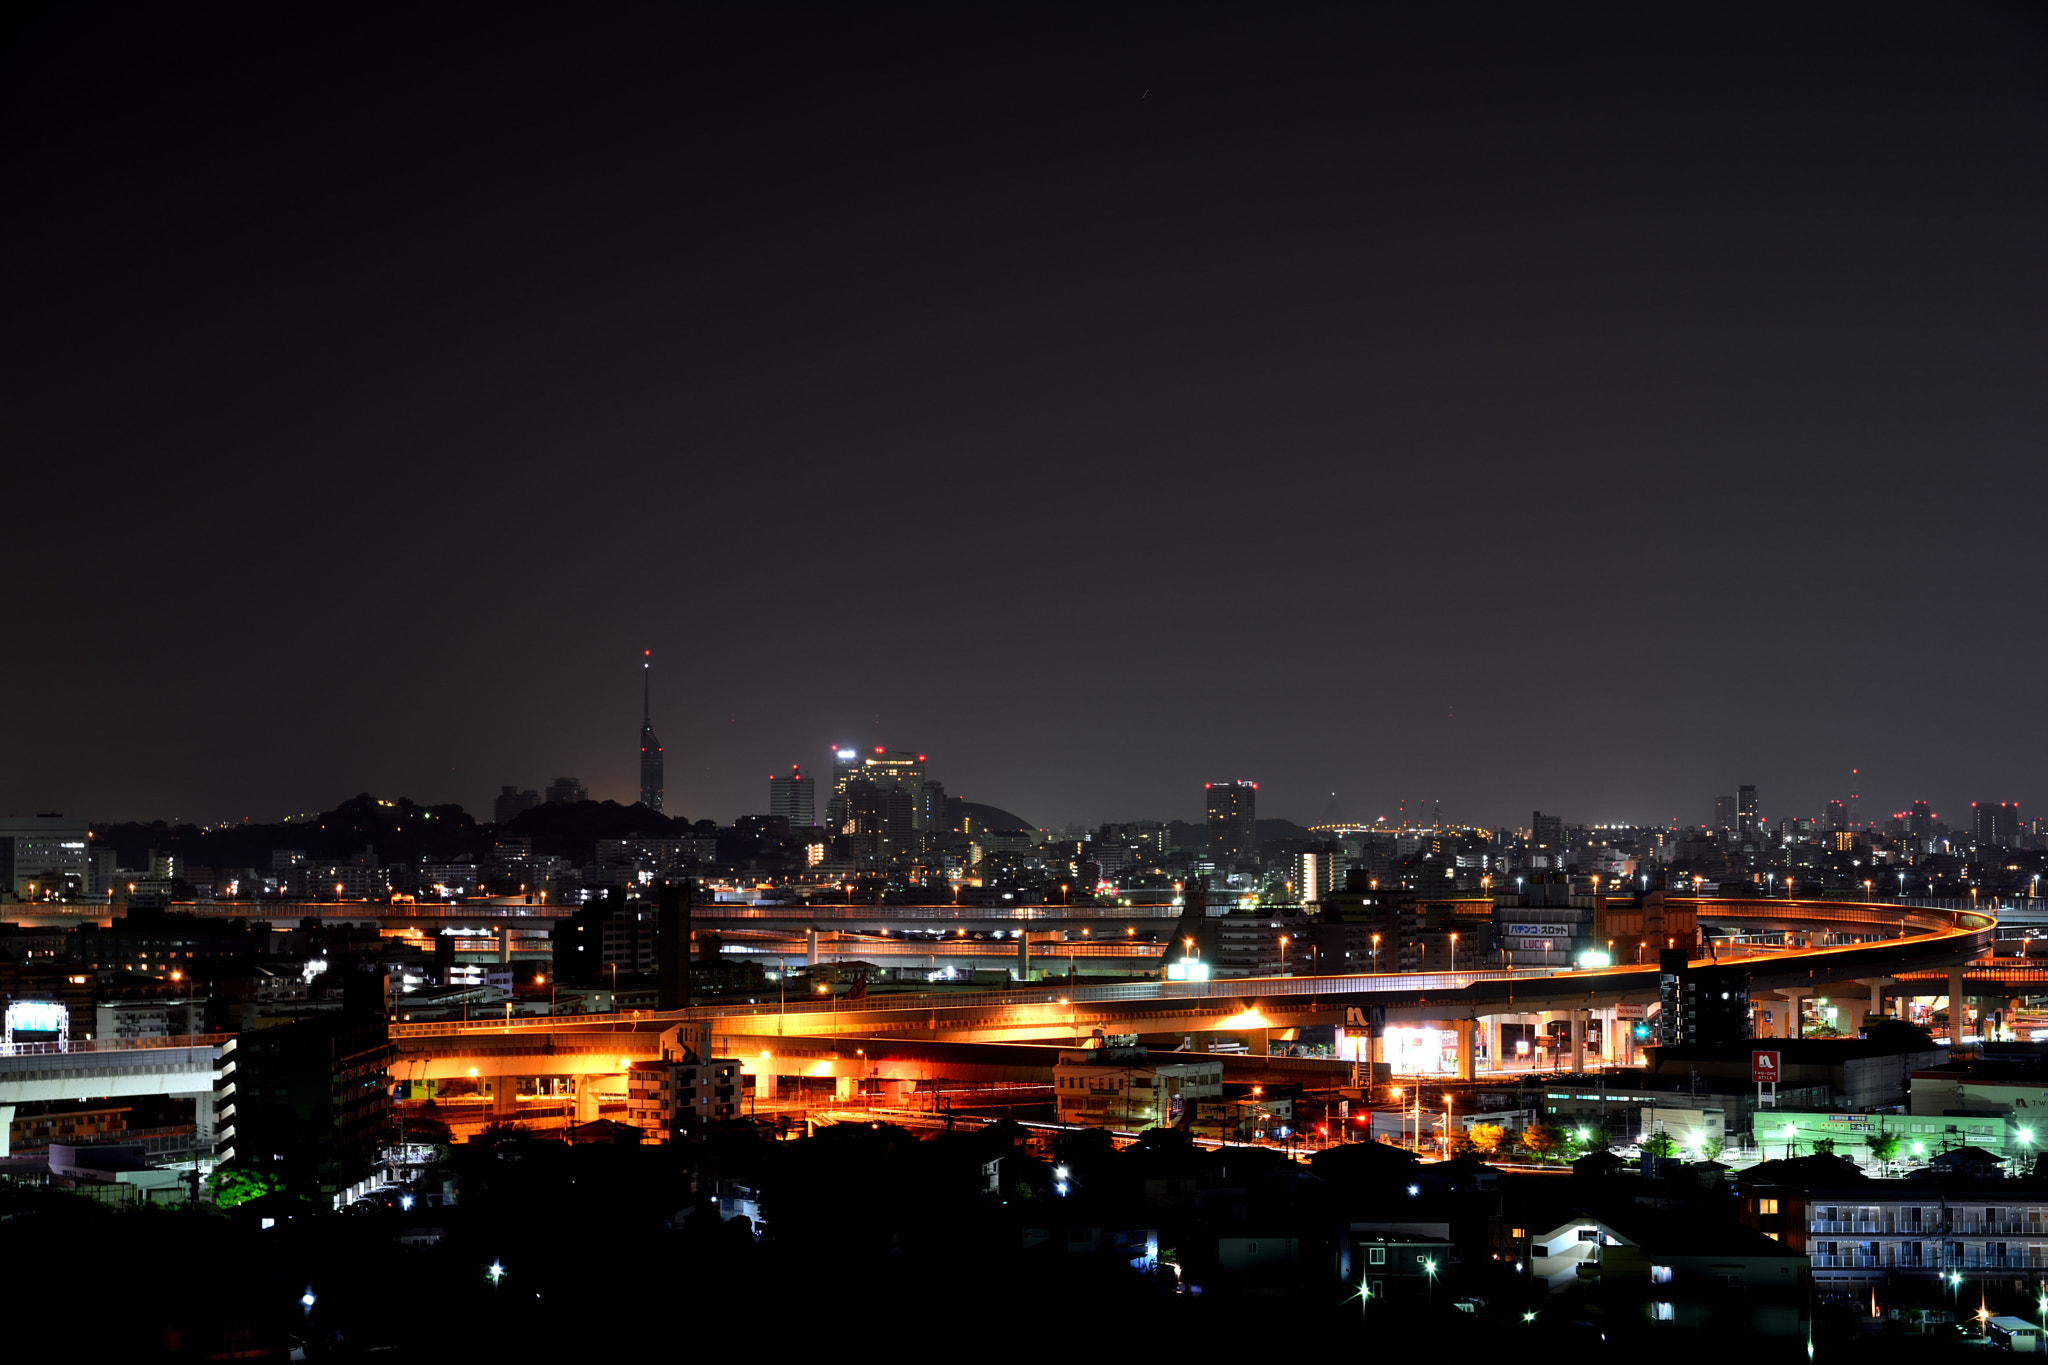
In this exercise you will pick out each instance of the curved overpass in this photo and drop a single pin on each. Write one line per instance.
(1884, 941)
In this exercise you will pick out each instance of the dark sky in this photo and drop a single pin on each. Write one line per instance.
(1550, 406)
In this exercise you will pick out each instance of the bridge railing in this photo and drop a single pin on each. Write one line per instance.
(112, 1044)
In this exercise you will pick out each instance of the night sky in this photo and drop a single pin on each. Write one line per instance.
(1551, 406)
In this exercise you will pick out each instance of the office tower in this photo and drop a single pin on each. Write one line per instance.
(567, 791)
(510, 802)
(899, 772)
(1995, 824)
(1233, 820)
(794, 798)
(1920, 820)
(1837, 817)
(845, 765)
(880, 796)
(1724, 814)
(1746, 821)
(1546, 836)
(651, 795)
(932, 810)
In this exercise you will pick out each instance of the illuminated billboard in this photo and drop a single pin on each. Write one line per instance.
(46, 1018)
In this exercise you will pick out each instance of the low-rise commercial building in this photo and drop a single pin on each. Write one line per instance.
(1123, 1087)
(1922, 1138)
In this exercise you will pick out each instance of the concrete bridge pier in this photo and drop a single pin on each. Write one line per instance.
(1793, 1011)
(202, 1120)
(1467, 1059)
(811, 946)
(1877, 985)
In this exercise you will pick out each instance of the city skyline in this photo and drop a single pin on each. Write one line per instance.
(1330, 675)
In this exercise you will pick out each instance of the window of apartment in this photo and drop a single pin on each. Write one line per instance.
(1377, 1256)
(1766, 1206)
(1660, 1312)
(1660, 1274)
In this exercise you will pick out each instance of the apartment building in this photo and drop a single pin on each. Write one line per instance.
(1863, 1234)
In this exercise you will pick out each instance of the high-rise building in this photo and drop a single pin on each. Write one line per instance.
(44, 857)
(1233, 820)
(651, 794)
(1747, 823)
(1725, 818)
(1995, 824)
(1318, 870)
(882, 792)
(567, 791)
(510, 802)
(1546, 839)
(1920, 820)
(794, 798)
(845, 765)
(1700, 1004)
(899, 771)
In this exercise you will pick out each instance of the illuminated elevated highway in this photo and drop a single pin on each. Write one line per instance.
(186, 1068)
(984, 919)
(1876, 944)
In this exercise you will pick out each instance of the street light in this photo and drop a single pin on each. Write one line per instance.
(1283, 954)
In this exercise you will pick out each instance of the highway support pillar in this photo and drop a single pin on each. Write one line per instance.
(202, 1120)
(6, 1123)
(1466, 1059)
(1023, 956)
(1958, 1011)
(1800, 1001)
(1578, 1019)
(811, 946)
(504, 943)
(1493, 1052)
(1877, 985)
